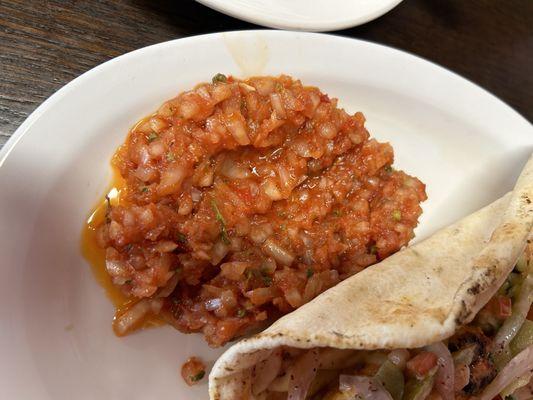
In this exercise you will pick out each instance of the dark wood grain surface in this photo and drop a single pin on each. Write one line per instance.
(45, 44)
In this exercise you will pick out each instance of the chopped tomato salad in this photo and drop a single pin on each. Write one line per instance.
(243, 200)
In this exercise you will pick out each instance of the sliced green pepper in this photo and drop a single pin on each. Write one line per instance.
(391, 377)
(418, 390)
(523, 338)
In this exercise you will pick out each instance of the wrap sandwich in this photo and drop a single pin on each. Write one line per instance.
(445, 318)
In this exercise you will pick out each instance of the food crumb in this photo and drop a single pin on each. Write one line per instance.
(193, 371)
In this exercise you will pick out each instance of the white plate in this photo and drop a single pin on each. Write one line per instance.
(306, 15)
(56, 341)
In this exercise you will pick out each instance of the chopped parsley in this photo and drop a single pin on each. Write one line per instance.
(373, 249)
(510, 397)
(221, 221)
(219, 78)
(309, 273)
(241, 312)
(337, 213)
(198, 376)
(151, 137)
(170, 157)
(388, 169)
(180, 237)
(267, 280)
(144, 189)
(397, 215)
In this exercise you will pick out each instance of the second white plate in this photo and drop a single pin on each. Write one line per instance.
(305, 15)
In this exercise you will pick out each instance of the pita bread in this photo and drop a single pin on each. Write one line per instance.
(415, 297)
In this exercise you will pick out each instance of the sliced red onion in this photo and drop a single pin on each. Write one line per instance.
(364, 386)
(518, 366)
(444, 380)
(302, 374)
(525, 392)
(265, 372)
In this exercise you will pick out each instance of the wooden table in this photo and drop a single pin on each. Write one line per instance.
(44, 44)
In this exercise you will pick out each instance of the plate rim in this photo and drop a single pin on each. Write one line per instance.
(71, 85)
(235, 11)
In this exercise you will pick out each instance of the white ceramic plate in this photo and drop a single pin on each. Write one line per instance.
(307, 15)
(56, 341)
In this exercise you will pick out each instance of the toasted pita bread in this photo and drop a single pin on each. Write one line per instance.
(415, 297)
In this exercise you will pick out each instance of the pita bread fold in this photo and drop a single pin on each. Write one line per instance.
(415, 297)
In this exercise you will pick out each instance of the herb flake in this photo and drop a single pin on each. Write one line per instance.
(219, 78)
(397, 215)
(181, 238)
(241, 313)
(170, 157)
(198, 376)
(151, 137)
(220, 218)
(309, 273)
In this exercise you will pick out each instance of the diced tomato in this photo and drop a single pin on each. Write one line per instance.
(500, 306)
(421, 364)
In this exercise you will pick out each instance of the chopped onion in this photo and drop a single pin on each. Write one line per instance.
(157, 149)
(219, 251)
(518, 366)
(274, 249)
(165, 246)
(196, 195)
(232, 170)
(234, 270)
(116, 268)
(302, 374)
(264, 86)
(327, 130)
(277, 105)
(170, 286)
(171, 179)
(261, 232)
(130, 319)
(293, 297)
(399, 357)
(237, 130)
(213, 304)
(368, 388)
(271, 190)
(266, 371)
